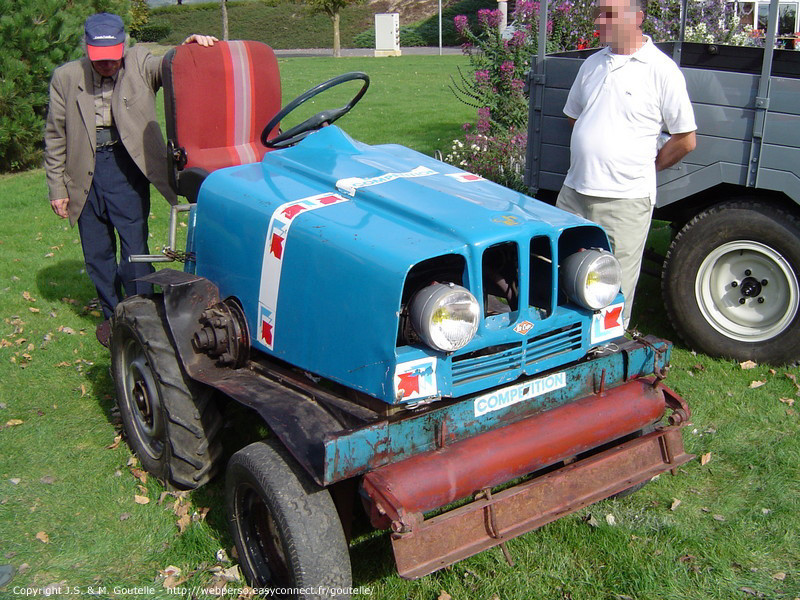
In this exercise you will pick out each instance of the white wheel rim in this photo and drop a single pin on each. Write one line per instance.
(723, 282)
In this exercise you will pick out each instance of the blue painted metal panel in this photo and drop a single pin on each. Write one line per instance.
(346, 222)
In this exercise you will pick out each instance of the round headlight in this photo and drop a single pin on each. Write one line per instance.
(445, 316)
(591, 278)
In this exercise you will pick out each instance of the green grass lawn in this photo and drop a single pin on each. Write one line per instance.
(69, 514)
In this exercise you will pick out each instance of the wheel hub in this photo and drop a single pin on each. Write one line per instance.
(731, 290)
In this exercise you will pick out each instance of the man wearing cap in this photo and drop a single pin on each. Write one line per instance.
(103, 148)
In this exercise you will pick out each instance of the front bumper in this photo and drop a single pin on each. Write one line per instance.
(399, 495)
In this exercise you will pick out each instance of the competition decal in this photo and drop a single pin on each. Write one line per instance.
(350, 185)
(465, 177)
(274, 251)
(607, 324)
(513, 394)
(415, 379)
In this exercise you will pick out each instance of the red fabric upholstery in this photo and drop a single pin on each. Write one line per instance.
(222, 97)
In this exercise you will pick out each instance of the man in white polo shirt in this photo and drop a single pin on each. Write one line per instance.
(622, 99)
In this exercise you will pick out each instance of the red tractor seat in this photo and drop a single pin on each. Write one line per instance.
(217, 101)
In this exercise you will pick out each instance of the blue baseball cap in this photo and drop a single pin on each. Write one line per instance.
(105, 37)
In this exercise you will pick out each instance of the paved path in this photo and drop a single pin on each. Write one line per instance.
(348, 52)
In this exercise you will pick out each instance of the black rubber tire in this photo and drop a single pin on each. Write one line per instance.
(171, 422)
(286, 529)
(704, 272)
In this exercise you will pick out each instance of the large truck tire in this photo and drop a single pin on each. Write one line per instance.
(286, 528)
(171, 422)
(731, 282)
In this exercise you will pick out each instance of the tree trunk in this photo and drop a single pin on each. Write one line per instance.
(224, 20)
(337, 47)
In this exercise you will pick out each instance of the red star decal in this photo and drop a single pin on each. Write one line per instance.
(409, 383)
(290, 212)
(328, 200)
(266, 332)
(276, 246)
(471, 177)
(611, 318)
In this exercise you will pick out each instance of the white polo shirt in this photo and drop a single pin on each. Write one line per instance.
(621, 104)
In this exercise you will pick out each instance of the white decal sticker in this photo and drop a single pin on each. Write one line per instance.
(465, 177)
(416, 379)
(351, 184)
(272, 263)
(607, 324)
(520, 392)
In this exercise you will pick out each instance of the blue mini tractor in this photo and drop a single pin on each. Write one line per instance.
(411, 334)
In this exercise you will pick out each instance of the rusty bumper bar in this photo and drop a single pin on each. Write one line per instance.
(490, 521)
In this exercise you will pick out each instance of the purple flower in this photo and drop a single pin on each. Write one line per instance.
(490, 19)
(518, 38)
(482, 76)
(461, 23)
(507, 68)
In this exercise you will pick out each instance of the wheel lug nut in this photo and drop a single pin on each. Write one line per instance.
(734, 284)
(741, 300)
(761, 300)
(748, 272)
(764, 282)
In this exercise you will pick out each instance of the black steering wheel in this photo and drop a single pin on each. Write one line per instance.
(298, 132)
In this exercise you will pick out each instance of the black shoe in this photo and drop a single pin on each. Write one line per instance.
(103, 332)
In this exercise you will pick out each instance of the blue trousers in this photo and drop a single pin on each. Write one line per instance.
(119, 199)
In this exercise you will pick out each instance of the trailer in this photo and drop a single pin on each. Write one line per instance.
(731, 276)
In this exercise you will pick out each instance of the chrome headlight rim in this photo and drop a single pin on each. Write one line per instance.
(591, 278)
(436, 305)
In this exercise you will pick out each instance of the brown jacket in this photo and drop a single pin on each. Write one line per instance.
(70, 131)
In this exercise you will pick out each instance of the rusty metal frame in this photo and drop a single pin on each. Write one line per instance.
(493, 519)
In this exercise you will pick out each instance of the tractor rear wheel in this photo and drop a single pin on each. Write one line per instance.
(171, 422)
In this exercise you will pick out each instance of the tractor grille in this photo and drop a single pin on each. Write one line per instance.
(498, 359)
(553, 343)
(487, 362)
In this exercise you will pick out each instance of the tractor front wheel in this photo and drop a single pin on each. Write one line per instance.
(286, 528)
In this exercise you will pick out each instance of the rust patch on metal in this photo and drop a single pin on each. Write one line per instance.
(426, 546)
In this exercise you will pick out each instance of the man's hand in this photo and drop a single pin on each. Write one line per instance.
(677, 146)
(59, 207)
(203, 40)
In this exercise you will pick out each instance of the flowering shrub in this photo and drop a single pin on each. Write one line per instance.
(707, 21)
(494, 146)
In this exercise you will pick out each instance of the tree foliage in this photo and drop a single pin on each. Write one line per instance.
(36, 37)
(333, 9)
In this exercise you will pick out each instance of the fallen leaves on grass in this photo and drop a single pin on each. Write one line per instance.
(779, 576)
(793, 379)
(28, 297)
(141, 499)
(789, 401)
(115, 444)
(705, 459)
(48, 480)
(14, 422)
(751, 592)
(757, 384)
(675, 504)
(748, 364)
(172, 577)
(140, 474)
(444, 596)
(43, 537)
(67, 330)
(611, 519)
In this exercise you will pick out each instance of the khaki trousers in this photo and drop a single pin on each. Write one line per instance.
(626, 221)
